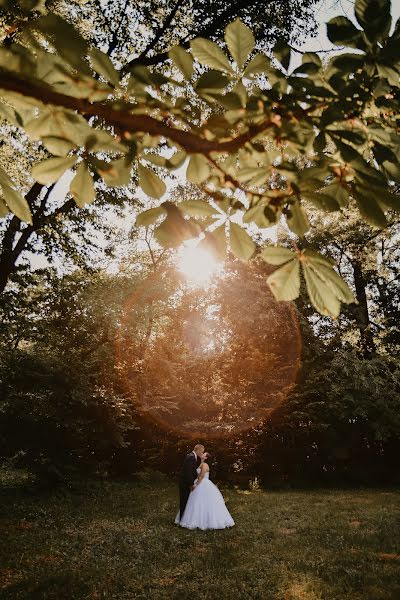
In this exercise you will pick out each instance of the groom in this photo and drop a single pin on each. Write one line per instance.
(188, 475)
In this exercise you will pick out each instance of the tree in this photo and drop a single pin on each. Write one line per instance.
(211, 366)
(60, 395)
(58, 228)
(368, 260)
(269, 141)
(340, 425)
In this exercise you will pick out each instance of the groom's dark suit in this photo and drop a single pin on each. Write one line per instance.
(188, 475)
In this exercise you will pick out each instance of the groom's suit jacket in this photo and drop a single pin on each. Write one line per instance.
(188, 473)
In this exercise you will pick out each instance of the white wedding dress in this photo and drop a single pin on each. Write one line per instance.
(205, 508)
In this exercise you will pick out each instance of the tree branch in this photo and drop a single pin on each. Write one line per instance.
(7, 261)
(114, 40)
(206, 31)
(161, 31)
(124, 121)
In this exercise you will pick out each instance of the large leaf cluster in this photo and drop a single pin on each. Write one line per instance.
(269, 142)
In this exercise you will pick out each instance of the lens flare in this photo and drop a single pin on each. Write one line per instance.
(185, 370)
(198, 265)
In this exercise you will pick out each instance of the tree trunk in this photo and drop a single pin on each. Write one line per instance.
(362, 313)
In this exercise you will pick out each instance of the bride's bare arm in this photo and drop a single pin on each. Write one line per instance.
(203, 470)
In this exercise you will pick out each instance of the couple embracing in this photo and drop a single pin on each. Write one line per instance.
(201, 503)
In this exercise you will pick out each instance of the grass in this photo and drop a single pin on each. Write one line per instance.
(117, 541)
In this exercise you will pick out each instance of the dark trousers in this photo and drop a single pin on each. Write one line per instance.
(184, 491)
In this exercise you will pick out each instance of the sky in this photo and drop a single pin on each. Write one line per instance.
(325, 10)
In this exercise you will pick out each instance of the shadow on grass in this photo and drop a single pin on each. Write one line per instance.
(67, 586)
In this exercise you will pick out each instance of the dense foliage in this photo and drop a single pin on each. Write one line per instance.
(60, 232)
(263, 141)
(116, 372)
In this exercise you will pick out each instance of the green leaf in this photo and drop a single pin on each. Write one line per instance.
(211, 82)
(150, 216)
(49, 171)
(176, 160)
(342, 32)
(14, 200)
(321, 200)
(58, 146)
(5, 179)
(277, 255)
(336, 284)
(216, 241)
(285, 281)
(8, 113)
(311, 57)
(240, 242)
(298, 220)
(116, 173)
(306, 69)
(65, 39)
(261, 215)
(389, 200)
(374, 17)
(321, 295)
(198, 169)
(197, 208)
(17, 203)
(210, 54)
(389, 73)
(240, 91)
(258, 64)
(174, 230)
(103, 65)
(316, 258)
(281, 51)
(240, 41)
(336, 191)
(82, 187)
(182, 60)
(355, 137)
(368, 205)
(3, 209)
(150, 183)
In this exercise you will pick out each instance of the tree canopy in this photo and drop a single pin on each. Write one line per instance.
(262, 141)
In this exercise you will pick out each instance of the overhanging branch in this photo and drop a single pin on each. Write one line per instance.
(124, 121)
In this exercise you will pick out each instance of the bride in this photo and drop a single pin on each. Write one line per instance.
(205, 508)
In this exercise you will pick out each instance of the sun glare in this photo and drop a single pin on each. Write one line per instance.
(197, 264)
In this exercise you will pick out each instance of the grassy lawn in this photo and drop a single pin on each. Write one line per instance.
(117, 541)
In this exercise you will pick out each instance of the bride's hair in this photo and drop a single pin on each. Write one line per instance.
(208, 457)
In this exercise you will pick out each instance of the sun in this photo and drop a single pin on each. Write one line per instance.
(198, 265)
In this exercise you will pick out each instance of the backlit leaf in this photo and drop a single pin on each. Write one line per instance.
(298, 220)
(150, 216)
(197, 208)
(285, 281)
(150, 183)
(321, 295)
(103, 65)
(277, 255)
(182, 60)
(240, 41)
(82, 187)
(17, 203)
(240, 242)
(198, 168)
(210, 54)
(258, 64)
(49, 171)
